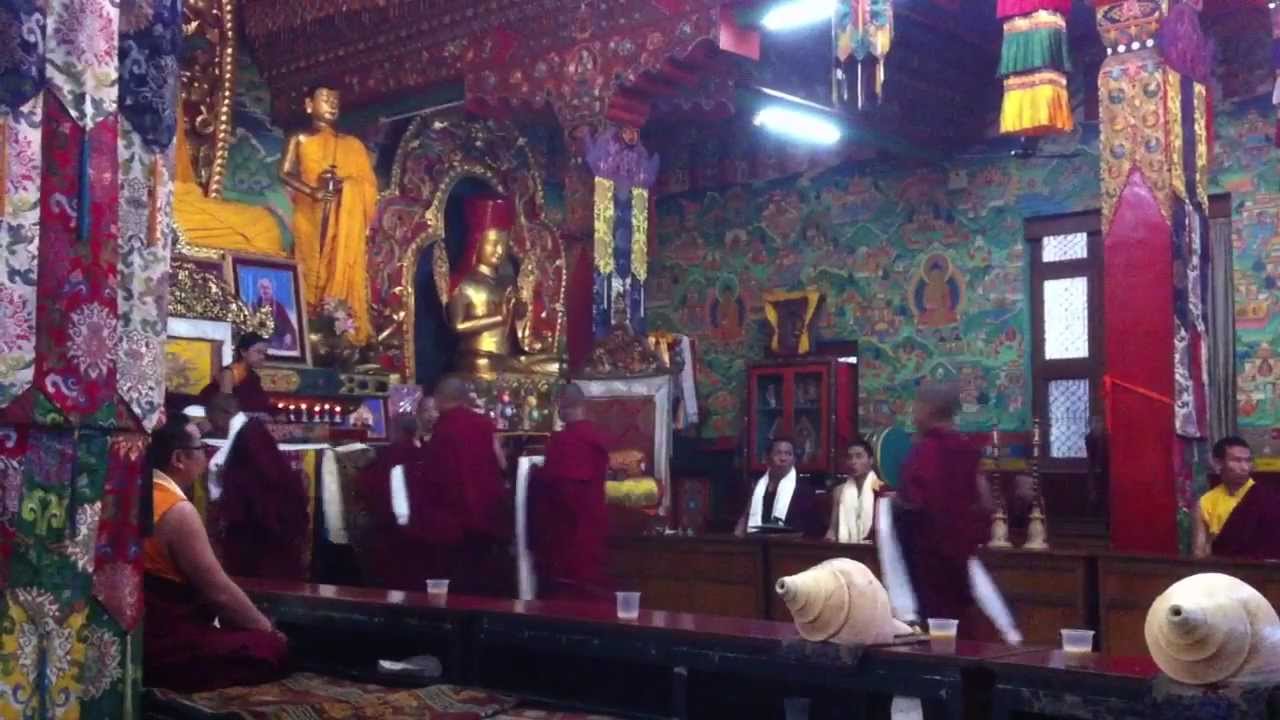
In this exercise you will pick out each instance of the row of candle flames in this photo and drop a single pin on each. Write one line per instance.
(329, 413)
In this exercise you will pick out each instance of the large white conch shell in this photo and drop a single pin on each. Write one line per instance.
(842, 601)
(1211, 627)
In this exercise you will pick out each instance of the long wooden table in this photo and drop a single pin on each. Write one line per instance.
(673, 664)
(1047, 591)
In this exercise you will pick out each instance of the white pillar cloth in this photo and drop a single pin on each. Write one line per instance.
(526, 580)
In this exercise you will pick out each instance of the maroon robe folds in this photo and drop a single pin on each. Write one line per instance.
(382, 540)
(262, 514)
(458, 501)
(1251, 529)
(185, 652)
(568, 522)
(940, 522)
(248, 392)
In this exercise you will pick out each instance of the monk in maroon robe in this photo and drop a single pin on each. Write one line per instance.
(241, 379)
(458, 500)
(261, 505)
(1250, 529)
(941, 517)
(567, 517)
(186, 589)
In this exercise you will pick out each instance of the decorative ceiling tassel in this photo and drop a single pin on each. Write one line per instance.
(1013, 8)
(1034, 42)
(604, 211)
(1036, 104)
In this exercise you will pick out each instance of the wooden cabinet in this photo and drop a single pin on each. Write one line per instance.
(711, 575)
(813, 400)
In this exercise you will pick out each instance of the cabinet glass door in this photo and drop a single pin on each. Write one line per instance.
(769, 412)
(809, 417)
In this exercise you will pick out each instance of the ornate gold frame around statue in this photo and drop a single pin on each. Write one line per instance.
(434, 156)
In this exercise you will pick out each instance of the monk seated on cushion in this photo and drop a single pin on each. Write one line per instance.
(186, 589)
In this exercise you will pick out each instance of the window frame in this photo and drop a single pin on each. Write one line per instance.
(1091, 367)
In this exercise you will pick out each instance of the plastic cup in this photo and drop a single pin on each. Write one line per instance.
(438, 587)
(942, 634)
(1077, 641)
(628, 605)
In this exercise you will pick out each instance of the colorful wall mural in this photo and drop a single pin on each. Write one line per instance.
(256, 146)
(1247, 165)
(924, 268)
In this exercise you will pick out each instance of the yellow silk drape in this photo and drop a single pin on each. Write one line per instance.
(338, 267)
(211, 223)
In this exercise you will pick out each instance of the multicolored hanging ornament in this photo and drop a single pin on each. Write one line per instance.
(1034, 62)
(863, 29)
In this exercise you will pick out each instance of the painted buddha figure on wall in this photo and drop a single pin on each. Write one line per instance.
(485, 303)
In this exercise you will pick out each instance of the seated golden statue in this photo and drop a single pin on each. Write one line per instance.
(335, 194)
(212, 223)
(485, 303)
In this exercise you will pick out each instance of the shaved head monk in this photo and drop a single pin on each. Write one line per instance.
(942, 517)
(567, 517)
(259, 500)
(186, 587)
(458, 500)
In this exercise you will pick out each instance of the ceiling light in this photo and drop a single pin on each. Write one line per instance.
(798, 124)
(791, 14)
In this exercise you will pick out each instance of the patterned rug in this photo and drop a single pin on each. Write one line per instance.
(305, 696)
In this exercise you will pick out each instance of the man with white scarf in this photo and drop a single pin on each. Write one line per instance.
(779, 498)
(853, 502)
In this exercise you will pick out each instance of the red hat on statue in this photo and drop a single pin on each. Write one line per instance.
(488, 212)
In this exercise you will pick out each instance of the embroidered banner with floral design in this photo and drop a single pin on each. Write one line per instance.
(150, 37)
(20, 234)
(22, 24)
(13, 446)
(76, 313)
(117, 576)
(146, 198)
(81, 53)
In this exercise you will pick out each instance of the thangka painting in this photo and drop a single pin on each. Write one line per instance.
(190, 364)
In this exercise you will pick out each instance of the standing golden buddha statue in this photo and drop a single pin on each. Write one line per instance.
(485, 303)
(335, 194)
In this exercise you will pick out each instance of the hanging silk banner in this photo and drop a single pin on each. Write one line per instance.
(83, 63)
(20, 171)
(76, 312)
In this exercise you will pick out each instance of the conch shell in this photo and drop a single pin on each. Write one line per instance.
(842, 601)
(1211, 627)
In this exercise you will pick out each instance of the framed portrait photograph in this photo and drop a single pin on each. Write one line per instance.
(275, 284)
(372, 416)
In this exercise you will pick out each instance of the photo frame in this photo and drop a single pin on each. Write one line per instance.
(371, 415)
(259, 282)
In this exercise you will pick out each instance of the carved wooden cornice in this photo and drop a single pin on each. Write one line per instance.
(370, 49)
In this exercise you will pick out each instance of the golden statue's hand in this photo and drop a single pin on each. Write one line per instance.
(322, 195)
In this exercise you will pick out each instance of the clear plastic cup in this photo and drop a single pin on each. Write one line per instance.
(628, 605)
(942, 634)
(438, 587)
(1077, 641)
